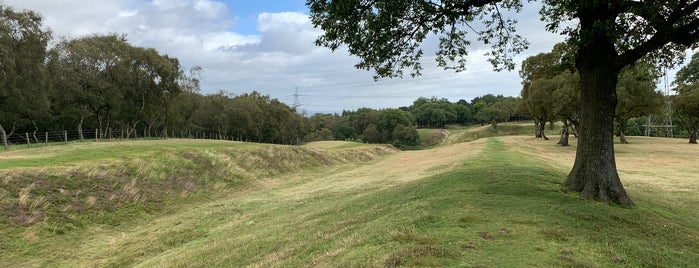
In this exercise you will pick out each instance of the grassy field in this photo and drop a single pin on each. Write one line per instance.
(493, 202)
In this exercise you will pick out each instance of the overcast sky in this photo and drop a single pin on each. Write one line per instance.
(267, 45)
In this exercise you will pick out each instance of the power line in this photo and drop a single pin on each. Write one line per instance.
(297, 103)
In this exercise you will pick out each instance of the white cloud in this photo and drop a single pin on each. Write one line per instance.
(285, 20)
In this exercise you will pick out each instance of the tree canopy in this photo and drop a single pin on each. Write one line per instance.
(23, 43)
(637, 95)
(687, 100)
(104, 83)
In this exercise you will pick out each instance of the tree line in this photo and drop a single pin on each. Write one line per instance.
(398, 126)
(101, 82)
(550, 92)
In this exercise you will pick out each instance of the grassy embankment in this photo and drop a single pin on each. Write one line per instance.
(490, 203)
(430, 138)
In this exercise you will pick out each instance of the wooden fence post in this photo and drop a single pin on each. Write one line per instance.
(96, 133)
(46, 139)
(65, 136)
(29, 144)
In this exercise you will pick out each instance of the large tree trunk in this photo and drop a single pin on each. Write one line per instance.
(537, 129)
(594, 174)
(693, 136)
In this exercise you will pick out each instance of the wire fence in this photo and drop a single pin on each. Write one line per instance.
(35, 139)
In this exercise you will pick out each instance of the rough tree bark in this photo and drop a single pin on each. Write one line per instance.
(594, 174)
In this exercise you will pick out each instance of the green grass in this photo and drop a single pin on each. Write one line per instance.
(499, 205)
(504, 129)
(76, 153)
(430, 138)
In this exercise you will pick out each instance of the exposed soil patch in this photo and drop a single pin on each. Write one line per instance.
(486, 236)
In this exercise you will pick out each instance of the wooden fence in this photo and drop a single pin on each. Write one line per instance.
(33, 139)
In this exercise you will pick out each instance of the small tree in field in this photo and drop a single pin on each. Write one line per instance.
(687, 111)
(687, 100)
(637, 95)
(540, 78)
(607, 36)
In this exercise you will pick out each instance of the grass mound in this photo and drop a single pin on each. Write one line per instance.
(504, 129)
(142, 177)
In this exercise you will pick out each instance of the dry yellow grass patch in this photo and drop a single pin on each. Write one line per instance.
(330, 144)
(649, 163)
(27, 154)
(398, 168)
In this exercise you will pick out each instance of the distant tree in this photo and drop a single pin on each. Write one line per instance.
(637, 95)
(389, 119)
(323, 134)
(687, 111)
(540, 99)
(405, 137)
(547, 65)
(567, 105)
(94, 74)
(153, 81)
(217, 115)
(23, 88)
(371, 134)
(433, 112)
(361, 118)
(542, 72)
(342, 130)
(493, 114)
(185, 108)
(178, 114)
(686, 103)
(464, 112)
(687, 78)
